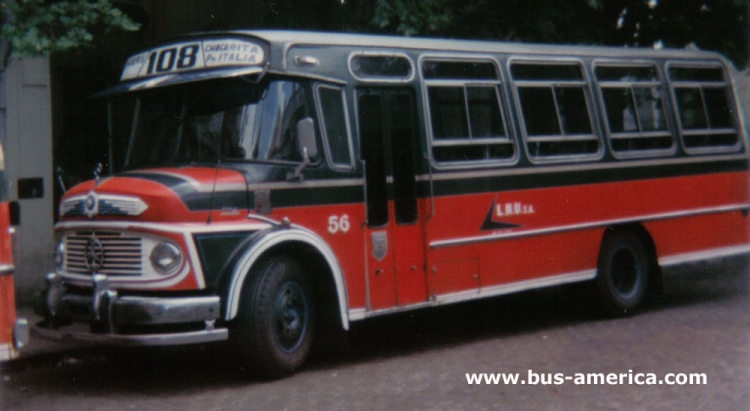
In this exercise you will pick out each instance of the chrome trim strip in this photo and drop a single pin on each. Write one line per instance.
(585, 226)
(191, 337)
(7, 269)
(181, 228)
(21, 333)
(7, 352)
(704, 255)
(130, 310)
(357, 314)
(519, 286)
(551, 168)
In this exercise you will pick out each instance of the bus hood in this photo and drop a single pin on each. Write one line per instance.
(164, 195)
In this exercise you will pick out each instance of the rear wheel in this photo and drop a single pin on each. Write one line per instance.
(277, 318)
(622, 272)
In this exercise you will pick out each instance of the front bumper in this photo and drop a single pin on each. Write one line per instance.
(111, 319)
(20, 339)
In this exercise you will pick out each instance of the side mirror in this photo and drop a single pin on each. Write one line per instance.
(306, 145)
(306, 139)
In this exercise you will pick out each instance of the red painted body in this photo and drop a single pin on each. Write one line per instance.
(559, 231)
(8, 348)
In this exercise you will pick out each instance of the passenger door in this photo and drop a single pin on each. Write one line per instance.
(394, 235)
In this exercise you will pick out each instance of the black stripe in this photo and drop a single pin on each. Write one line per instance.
(577, 177)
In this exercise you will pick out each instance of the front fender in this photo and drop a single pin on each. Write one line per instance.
(268, 240)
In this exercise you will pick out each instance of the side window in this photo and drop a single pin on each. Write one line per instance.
(704, 108)
(554, 106)
(335, 125)
(634, 110)
(373, 154)
(381, 67)
(466, 115)
(271, 125)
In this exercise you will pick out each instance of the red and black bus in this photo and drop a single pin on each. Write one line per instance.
(275, 185)
(14, 331)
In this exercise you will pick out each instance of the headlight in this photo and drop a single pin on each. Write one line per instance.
(60, 255)
(166, 258)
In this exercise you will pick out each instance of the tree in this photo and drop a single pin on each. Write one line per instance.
(710, 24)
(39, 27)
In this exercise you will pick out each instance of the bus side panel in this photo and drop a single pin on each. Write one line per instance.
(531, 234)
(686, 238)
(341, 227)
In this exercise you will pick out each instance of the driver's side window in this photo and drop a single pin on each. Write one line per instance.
(283, 105)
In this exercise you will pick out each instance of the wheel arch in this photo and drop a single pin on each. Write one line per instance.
(655, 282)
(327, 276)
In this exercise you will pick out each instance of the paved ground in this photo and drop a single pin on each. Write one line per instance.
(420, 360)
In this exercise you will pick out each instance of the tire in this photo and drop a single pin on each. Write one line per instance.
(277, 318)
(623, 273)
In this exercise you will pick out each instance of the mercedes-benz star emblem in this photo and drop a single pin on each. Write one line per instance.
(91, 205)
(94, 255)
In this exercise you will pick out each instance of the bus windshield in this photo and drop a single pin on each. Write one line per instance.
(212, 121)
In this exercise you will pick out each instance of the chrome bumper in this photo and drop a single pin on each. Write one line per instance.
(20, 339)
(106, 313)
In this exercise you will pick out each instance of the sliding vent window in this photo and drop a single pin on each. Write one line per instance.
(333, 115)
(555, 110)
(704, 109)
(634, 108)
(466, 113)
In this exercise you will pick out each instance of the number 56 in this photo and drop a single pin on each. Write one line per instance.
(336, 224)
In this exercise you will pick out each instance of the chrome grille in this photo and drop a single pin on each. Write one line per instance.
(121, 253)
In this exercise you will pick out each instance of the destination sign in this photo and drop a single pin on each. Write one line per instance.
(199, 54)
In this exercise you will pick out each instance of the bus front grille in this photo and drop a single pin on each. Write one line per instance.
(110, 253)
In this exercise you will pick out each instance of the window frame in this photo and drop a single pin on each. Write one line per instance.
(324, 130)
(610, 84)
(726, 85)
(497, 84)
(587, 87)
(381, 79)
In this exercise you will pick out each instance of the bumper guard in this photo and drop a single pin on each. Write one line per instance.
(106, 312)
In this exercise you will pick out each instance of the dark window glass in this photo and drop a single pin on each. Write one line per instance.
(690, 105)
(717, 105)
(371, 133)
(459, 70)
(381, 66)
(618, 102)
(484, 112)
(334, 118)
(696, 74)
(448, 112)
(617, 73)
(403, 135)
(539, 111)
(574, 113)
(649, 108)
(546, 72)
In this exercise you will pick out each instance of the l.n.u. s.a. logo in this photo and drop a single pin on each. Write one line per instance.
(500, 212)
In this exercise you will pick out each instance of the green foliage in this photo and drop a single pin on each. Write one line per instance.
(413, 17)
(38, 27)
(718, 25)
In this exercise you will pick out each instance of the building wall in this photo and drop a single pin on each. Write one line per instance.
(27, 139)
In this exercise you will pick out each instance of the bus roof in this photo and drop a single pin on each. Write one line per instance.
(291, 38)
(155, 66)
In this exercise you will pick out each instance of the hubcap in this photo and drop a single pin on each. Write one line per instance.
(625, 272)
(290, 316)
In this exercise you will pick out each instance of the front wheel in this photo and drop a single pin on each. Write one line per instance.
(277, 318)
(622, 272)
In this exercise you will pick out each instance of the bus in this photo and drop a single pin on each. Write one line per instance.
(274, 187)
(14, 331)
